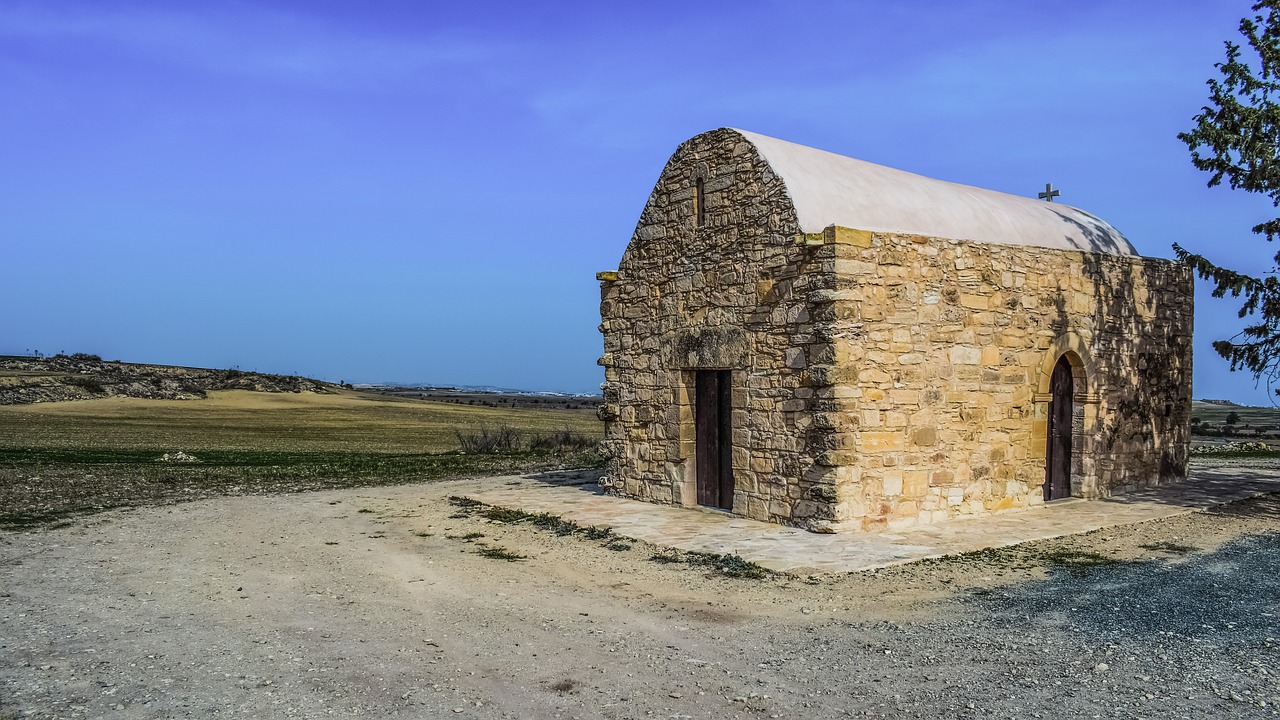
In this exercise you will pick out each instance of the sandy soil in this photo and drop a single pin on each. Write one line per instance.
(375, 603)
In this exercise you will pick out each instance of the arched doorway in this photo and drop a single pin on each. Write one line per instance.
(1057, 481)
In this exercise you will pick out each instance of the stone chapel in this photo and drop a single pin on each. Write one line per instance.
(805, 338)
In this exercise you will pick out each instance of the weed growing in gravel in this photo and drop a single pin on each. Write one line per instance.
(545, 521)
(555, 524)
(1078, 559)
(505, 515)
(497, 553)
(728, 565)
(595, 532)
(364, 510)
(468, 537)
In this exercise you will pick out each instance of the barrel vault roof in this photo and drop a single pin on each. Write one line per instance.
(829, 189)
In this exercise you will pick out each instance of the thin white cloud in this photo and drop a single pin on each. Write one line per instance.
(247, 41)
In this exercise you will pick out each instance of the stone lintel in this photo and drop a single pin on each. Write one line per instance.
(710, 348)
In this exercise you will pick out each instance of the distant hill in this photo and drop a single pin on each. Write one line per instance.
(25, 380)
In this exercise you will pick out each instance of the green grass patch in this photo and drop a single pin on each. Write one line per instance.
(40, 485)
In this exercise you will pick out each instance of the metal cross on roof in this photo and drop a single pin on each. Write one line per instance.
(1049, 193)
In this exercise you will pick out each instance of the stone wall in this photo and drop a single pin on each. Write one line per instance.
(731, 294)
(939, 383)
(878, 379)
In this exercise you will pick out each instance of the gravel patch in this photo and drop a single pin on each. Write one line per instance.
(378, 602)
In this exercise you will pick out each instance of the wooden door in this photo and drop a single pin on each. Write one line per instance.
(1057, 482)
(712, 416)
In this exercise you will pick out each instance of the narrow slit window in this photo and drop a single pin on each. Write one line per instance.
(699, 203)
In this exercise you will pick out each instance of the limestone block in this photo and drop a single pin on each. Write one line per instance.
(880, 442)
(927, 436)
(904, 396)
(915, 483)
(891, 482)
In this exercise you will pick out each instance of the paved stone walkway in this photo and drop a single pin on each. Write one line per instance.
(574, 496)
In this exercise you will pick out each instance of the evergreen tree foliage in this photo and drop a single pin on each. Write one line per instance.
(1236, 139)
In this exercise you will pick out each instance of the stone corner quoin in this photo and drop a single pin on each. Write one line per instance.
(882, 378)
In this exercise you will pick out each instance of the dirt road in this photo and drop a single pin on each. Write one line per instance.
(377, 603)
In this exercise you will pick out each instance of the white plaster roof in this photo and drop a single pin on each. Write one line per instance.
(829, 189)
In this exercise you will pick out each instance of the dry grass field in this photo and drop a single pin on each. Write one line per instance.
(350, 421)
(67, 458)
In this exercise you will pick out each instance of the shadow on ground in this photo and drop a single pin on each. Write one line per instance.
(1229, 596)
(586, 479)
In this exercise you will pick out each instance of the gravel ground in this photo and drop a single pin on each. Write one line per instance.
(377, 602)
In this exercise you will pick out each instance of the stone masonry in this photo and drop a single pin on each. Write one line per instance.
(879, 379)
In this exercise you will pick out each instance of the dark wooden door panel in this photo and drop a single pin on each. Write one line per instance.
(706, 416)
(1058, 461)
(725, 389)
(713, 430)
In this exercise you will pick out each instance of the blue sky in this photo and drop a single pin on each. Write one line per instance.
(423, 191)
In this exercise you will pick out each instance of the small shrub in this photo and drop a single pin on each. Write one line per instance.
(485, 441)
(84, 382)
(561, 440)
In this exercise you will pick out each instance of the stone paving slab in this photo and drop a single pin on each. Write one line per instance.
(575, 497)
